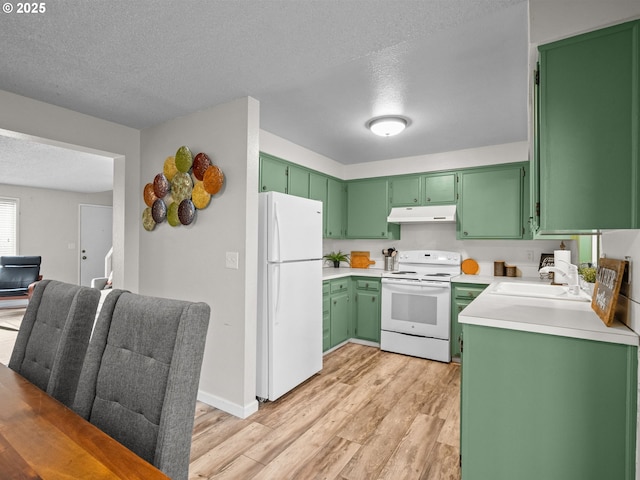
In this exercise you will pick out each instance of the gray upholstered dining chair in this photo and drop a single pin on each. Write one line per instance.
(53, 337)
(140, 379)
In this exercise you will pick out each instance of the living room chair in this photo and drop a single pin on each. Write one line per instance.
(18, 274)
(53, 337)
(140, 379)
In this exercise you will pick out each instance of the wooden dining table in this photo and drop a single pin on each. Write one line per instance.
(40, 438)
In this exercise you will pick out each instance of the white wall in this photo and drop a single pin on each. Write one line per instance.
(472, 157)
(188, 262)
(40, 121)
(48, 224)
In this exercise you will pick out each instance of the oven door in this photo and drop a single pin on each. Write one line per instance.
(416, 307)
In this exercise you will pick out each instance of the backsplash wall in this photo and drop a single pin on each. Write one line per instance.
(443, 237)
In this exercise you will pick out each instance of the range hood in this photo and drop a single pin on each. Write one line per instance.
(429, 214)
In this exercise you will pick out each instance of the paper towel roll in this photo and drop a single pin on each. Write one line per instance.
(562, 259)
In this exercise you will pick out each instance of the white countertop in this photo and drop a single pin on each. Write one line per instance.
(489, 279)
(329, 273)
(541, 315)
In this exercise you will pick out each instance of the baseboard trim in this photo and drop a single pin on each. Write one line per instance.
(227, 406)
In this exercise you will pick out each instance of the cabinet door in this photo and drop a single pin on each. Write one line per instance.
(368, 208)
(490, 203)
(340, 316)
(318, 191)
(440, 189)
(540, 406)
(589, 133)
(335, 208)
(273, 174)
(326, 323)
(298, 181)
(405, 191)
(456, 329)
(368, 316)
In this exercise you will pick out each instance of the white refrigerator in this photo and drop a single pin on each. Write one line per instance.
(289, 348)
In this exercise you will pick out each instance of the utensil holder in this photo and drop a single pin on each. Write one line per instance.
(389, 263)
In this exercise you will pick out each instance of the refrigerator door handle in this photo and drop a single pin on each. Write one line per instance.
(276, 232)
(276, 274)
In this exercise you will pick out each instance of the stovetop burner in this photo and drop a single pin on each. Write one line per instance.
(426, 265)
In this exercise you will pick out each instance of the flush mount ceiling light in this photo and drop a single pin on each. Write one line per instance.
(387, 126)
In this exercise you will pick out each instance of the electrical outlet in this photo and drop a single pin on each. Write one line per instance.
(530, 256)
(231, 260)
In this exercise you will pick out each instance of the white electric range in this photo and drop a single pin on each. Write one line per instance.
(416, 304)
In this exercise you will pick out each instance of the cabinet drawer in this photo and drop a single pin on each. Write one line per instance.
(372, 285)
(467, 292)
(340, 285)
(325, 288)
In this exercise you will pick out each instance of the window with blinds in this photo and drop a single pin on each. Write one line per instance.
(8, 226)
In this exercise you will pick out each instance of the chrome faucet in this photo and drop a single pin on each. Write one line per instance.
(570, 277)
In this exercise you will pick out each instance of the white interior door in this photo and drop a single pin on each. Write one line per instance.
(96, 227)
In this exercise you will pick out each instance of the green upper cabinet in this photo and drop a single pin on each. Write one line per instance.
(368, 208)
(589, 132)
(423, 189)
(298, 181)
(439, 189)
(318, 191)
(405, 191)
(491, 203)
(273, 174)
(335, 208)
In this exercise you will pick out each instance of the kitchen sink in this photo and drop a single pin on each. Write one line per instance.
(541, 290)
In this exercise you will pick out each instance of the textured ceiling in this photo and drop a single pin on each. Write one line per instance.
(320, 68)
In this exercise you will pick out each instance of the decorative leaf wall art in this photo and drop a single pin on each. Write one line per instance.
(185, 185)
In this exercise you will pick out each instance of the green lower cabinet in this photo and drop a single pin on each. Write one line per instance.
(326, 317)
(537, 406)
(340, 310)
(367, 309)
(462, 294)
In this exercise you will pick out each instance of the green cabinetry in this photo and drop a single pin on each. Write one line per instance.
(439, 189)
(278, 175)
(405, 191)
(367, 306)
(589, 131)
(298, 181)
(335, 206)
(491, 203)
(326, 316)
(462, 294)
(273, 174)
(368, 208)
(538, 406)
(340, 310)
(423, 189)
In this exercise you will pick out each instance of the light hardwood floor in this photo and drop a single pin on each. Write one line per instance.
(10, 319)
(368, 415)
